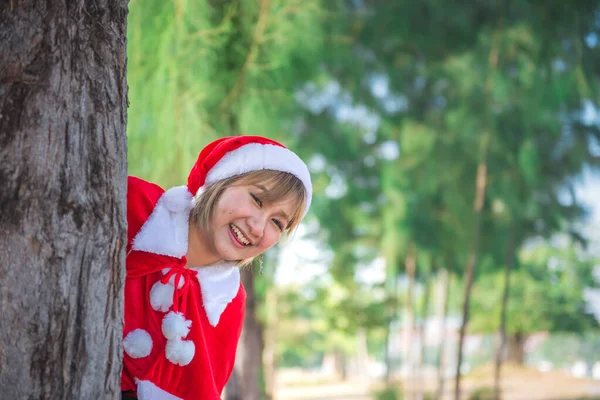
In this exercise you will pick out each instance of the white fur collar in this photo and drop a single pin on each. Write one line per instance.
(166, 233)
(220, 283)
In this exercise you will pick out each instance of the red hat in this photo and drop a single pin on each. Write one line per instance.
(236, 155)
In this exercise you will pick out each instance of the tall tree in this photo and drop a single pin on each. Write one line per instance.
(63, 101)
(205, 69)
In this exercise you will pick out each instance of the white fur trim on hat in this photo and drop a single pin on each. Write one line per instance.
(147, 390)
(255, 157)
(138, 343)
(180, 352)
(166, 230)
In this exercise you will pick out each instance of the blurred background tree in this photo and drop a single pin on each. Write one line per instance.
(447, 143)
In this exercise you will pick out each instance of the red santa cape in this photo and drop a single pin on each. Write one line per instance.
(192, 358)
(182, 324)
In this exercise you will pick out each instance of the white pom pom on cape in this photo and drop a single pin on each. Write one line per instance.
(138, 343)
(175, 326)
(161, 296)
(180, 352)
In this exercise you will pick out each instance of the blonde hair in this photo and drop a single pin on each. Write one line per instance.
(282, 185)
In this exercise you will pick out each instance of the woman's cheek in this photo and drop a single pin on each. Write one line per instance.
(276, 236)
(266, 242)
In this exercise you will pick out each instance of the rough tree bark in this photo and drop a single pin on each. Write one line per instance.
(63, 101)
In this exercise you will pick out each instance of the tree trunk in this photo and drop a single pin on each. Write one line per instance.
(246, 382)
(422, 334)
(362, 358)
(387, 354)
(480, 193)
(510, 259)
(391, 308)
(411, 268)
(63, 99)
(341, 364)
(270, 324)
(269, 354)
(480, 186)
(516, 350)
(445, 282)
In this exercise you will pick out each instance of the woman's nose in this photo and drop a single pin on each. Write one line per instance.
(256, 226)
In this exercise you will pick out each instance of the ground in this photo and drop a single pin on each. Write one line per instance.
(519, 383)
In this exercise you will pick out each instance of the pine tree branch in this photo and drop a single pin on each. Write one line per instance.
(205, 33)
(257, 39)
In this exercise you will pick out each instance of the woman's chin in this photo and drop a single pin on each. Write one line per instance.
(231, 254)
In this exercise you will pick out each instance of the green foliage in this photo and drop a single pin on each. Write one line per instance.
(391, 393)
(564, 348)
(198, 70)
(392, 122)
(546, 292)
(483, 393)
(505, 76)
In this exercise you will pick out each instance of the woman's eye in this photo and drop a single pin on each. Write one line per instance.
(257, 200)
(279, 224)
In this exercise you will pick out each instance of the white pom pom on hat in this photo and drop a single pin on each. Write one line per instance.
(178, 199)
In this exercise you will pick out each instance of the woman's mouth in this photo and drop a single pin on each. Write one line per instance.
(238, 236)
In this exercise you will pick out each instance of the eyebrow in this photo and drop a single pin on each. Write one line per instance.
(280, 212)
(261, 187)
(284, 215)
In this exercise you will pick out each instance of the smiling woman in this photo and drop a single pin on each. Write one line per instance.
(184, 301)
(255, 209)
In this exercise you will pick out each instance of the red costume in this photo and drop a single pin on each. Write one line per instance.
(182, 324)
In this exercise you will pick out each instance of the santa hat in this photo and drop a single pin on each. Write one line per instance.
(236, 155)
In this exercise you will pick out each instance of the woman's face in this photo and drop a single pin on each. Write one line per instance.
(243, 226)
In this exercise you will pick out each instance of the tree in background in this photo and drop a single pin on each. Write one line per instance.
(546, 294)
(497, 72)
(444, 150)
(217, 68)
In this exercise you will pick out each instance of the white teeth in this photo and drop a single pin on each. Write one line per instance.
(239, 235)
